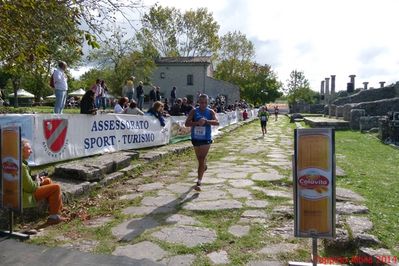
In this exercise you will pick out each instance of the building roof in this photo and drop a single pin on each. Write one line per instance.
(184, 60)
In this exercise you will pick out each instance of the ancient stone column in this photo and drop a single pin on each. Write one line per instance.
(327, 91)
(353, 81)
(382, 83)
(332, 87)
(322, 96)
(365, 85)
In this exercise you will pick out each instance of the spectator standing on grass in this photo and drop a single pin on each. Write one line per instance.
(140, 95)
(60, 84)
(158, 93)
(153, 96)
(128, 89)
(87, 105)
(98, 91)
(173, 96)
(132, 109)
(39, 188)
(105, 94)
(121, 105)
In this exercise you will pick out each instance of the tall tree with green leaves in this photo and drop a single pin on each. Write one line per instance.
(30, 41)
(173, 33)
(298, 88)
(35, 34)
(235, 58)
(198, 33)
(119, 58)
(261, 85)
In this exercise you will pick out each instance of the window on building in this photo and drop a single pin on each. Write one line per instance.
(162, 75)
(190, 80)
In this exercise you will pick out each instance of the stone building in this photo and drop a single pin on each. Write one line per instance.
(191, 75)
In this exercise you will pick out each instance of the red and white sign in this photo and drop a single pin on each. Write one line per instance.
(55, 131)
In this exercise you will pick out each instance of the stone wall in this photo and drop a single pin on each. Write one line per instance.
(339, 111)
(355, 116)
(381, 107)
(316, 108)
(375, 108)
(368, 122)
(307, 108)
(370, 95)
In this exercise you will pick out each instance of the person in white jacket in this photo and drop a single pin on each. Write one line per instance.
(60, 87)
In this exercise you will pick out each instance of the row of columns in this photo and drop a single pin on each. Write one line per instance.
(325, 91)
(329, 94)
(365, 84)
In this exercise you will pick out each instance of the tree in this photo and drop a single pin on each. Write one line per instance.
(234, 60)
(119, 58)
(198, 33)
(298, 88)
(30, 42)
(173, 33)
(261, 86)
(112, 50)
(35, 34)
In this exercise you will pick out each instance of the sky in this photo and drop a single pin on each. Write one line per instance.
(319, 37)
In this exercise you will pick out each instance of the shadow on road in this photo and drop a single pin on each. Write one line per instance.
(158, 216)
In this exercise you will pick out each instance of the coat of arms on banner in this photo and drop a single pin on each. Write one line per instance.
(55, 131)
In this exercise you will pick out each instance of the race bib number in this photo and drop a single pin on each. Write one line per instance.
(263, 118)
(199, 132)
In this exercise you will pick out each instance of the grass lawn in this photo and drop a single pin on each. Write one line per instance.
(36, 109)
(373, 171)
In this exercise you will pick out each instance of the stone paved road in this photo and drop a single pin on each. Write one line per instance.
(243, 216)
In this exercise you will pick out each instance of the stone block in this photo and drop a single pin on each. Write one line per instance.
(347, 112)
(339, 111)
(366, 240)
(95, 168)
(383, 128)
(375, 255)
(368, 122)
(341, 241)
(332, 110)
(355, 116)
(316, 108)
(326, 110)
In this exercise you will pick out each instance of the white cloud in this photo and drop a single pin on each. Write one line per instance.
(320, 37)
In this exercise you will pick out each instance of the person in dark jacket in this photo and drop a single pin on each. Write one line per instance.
(153, 96)
(173, 96)
(87, 104)
(158, 93)
(177, 108)
(140, 95)
(186, 107)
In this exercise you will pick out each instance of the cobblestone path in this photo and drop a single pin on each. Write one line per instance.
(243, 216)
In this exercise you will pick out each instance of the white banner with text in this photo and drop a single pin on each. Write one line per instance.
(63, 137)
